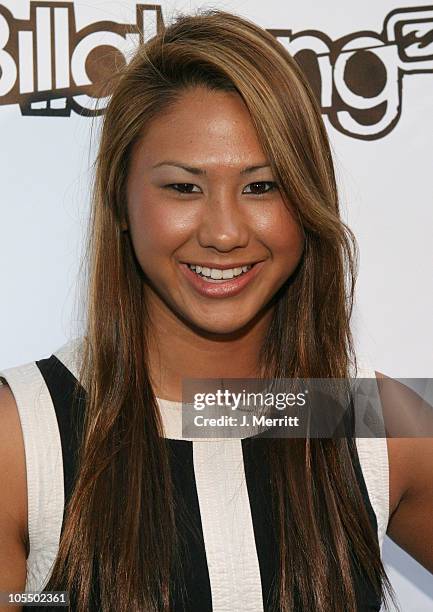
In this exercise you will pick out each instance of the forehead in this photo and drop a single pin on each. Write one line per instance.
(202, 127)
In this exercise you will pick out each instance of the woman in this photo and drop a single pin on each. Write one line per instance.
(217, 251)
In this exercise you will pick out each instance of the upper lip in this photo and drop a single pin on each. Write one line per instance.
(222, 266)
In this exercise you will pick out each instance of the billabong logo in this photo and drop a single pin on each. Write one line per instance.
(50, 68)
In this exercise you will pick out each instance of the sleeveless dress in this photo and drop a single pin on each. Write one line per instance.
(232, 565)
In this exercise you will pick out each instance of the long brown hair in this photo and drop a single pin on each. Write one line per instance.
(123, 484)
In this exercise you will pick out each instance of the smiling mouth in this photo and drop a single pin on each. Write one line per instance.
(223, 281)
(215, 275)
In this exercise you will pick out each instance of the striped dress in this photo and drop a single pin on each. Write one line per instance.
(231, 562)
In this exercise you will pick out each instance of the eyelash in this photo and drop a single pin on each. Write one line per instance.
(273, 187)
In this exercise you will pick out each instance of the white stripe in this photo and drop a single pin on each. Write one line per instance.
(70, 355)
(228, 531)
(373, 457)
(44, 467)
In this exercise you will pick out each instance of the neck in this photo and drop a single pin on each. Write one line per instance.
(177, 350)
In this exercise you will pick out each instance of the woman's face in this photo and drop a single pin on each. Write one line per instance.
(201, 193)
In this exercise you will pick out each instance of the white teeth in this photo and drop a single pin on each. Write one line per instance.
(217, 273)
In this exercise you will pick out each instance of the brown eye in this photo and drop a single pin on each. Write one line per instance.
(183, 187)
(259, 188)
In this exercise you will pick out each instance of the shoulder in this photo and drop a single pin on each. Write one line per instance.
(14, 546)
(403, 421)
(13, 509)
(409, 423)
(31, 421)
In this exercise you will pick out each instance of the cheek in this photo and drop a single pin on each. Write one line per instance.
(282, 234)
(289, 240)
(156, 229)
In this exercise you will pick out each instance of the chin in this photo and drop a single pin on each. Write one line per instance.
(230, 324)
(221, 328)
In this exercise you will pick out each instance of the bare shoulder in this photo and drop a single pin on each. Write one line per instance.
(409, 424)
(13, 499)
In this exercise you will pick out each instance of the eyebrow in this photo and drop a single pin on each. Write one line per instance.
(201, 172)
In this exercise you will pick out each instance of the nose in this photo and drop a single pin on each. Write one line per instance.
(223, 225)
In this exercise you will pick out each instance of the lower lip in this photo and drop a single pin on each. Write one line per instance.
(221, 289)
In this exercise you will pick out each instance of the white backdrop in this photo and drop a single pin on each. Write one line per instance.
(376, 70)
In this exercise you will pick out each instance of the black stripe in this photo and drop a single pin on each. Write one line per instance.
(257, 475)
(68, 399)
(189, 528)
